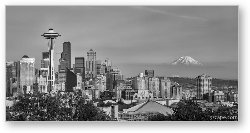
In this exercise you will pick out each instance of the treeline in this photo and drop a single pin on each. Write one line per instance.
(191, 111)
(57, 108)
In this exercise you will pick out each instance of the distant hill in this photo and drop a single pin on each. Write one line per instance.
(189, 82)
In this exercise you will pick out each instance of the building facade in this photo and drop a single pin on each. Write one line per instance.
(80, 66)
(71, 81)
(45, 60)
(153, 85)
(91, 64)
(101, 83)
(204, 85)
(218, 96)
(65, 60)
(164, 87)
(11, 78)
(175, 91)
(139, 82)
(27, 74)
(43, 80)
(98, 67)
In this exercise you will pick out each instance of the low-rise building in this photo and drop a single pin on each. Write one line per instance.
(218, 96)
(142, 111)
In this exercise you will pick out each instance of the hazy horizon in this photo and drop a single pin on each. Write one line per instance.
(134, 38)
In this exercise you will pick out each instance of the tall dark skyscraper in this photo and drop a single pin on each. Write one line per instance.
(80, 66)
(71, 81)
(65, 60)
(67, 53)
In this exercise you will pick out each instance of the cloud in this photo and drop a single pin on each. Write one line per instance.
(153, 10)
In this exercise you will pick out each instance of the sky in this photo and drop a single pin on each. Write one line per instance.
(134, 38)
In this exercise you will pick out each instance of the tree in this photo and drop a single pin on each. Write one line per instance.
(59, 108)
(189, 111)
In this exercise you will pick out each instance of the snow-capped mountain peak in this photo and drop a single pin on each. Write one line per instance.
(186, 60)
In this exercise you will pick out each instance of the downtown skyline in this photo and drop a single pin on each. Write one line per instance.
(134, 38)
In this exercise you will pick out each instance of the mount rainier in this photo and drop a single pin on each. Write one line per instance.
(186, 60)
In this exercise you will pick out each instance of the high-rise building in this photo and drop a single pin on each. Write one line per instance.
(117, 73)
(91, 64)
(108, 65)
(11, 78)
(43, 79)
(167, 89)
(149, 73)
(27, 74)
(45, 60)
(80, 67)
(79, 85)
(61, 78)
(67, 53)
(175, 91)
(109, 82)
(65, 60)
(153, 86)
(71, 81)
(65, 64)
(139, 82)
(45, 55)
(101, 83)
(98, 67)
(204, 86)
(112, 78)
(164, 87)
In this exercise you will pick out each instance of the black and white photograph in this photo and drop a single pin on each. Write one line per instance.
(121, 63)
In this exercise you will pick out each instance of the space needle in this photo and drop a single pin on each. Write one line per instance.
(51, 35)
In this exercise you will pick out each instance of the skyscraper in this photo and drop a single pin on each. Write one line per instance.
(106, 67)
(175, 91)
(65, 60)
(27, 74)
(139, 82)
(45, 60)
(71, 81)
(109, 81)
(153, 86)
(80, 66)
(91, 64)
(45, 55)
(98, 67)
(204, 86)
(11, 78)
